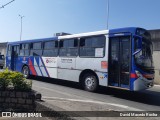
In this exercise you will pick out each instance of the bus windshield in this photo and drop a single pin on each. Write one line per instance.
(144, 57)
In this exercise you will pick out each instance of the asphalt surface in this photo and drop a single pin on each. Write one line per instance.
(51, 90)
(68, 96)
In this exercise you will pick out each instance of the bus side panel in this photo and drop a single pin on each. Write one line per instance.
(103, 78)
(49, 66)
(20, 62)
(42, 66)
(71, 75)
(8, 62)
(32, 67)
(67, 69)
(95, 64)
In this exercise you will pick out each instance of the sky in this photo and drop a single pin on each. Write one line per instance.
(43, 18)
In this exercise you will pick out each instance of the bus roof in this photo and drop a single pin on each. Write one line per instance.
(84, 34)
(111, 31)
(34, 40)
(124, 30)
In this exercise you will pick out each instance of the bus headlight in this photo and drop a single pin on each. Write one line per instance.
(138, 74)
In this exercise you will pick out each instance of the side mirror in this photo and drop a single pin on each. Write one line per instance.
(137, 44)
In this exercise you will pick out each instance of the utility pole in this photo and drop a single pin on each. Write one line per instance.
(108, 15)
(21, 26)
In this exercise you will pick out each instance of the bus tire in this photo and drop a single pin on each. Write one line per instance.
(90, 82)
(25, 71)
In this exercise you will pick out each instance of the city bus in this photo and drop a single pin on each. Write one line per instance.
(118, 58)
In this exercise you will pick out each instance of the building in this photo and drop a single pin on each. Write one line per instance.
(3, 47)
(155, 36)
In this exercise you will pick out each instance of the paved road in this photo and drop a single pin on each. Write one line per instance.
(69, 96)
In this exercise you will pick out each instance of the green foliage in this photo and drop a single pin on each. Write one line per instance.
(19, 82)
(15, 79)
(5, 80)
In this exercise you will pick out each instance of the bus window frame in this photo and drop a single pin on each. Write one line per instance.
(59, 47)
(43, 48)
(9, 50)
(104, 47)
(31, 48)
(20, 48)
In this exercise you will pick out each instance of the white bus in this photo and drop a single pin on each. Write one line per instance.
(120, 58)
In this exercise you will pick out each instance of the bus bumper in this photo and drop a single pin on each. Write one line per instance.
(142, 84)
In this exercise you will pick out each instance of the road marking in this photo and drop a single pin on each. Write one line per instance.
(84, 100)
(92, 101)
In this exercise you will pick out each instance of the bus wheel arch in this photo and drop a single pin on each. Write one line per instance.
(89, 80)
(26, 71)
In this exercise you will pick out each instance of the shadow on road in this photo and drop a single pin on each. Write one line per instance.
(145, 96)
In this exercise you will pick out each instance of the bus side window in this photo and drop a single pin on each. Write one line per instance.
(93, 46)
(69, 48)
(36, 49)
(26, 50)
(21, 53)
(50, 49)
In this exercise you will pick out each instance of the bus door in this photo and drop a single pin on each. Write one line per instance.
(14, 57)
(119, 61)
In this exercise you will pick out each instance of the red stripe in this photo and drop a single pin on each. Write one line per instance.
(148, 75)
(32, 68)
(133, 75)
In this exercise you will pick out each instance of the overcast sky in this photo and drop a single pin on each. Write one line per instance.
(43, 18)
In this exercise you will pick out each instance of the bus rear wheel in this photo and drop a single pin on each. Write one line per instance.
(25, 71)
(90, 82)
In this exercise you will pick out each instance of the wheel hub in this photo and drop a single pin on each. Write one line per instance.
(89, 82)
(25, 72)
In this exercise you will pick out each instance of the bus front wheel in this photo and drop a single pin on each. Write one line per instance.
(25, 71)
(90, 82)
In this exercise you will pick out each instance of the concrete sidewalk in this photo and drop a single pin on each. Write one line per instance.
(44, 118)
(44, 106)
